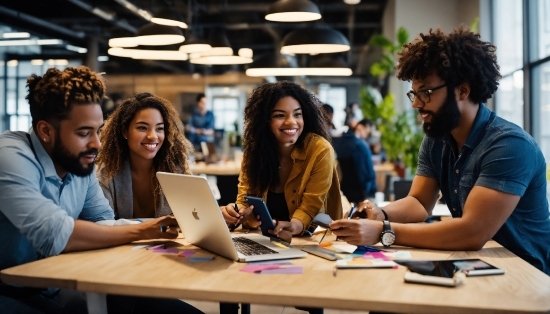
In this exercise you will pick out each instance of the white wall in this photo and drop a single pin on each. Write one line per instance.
(418, 16)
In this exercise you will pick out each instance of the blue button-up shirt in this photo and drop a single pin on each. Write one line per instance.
(199, 121)
(37, 207)
(498, 155)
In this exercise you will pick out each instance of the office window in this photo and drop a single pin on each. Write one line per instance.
(336, 97)
(509, 28)
(542, 31)
(509, 99)
(13, 90)
(226, 111)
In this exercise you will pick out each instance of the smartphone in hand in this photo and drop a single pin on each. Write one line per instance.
(260, 209)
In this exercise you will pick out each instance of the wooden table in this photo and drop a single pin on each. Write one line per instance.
(223, 168)
(121, 270)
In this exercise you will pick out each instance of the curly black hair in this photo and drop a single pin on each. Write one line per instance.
(459, 57)
(260, 158)
(52, 96)
(173, 153)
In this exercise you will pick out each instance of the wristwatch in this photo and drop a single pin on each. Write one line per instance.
(387, 237)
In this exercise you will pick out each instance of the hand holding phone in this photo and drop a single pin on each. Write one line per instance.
(260, 209)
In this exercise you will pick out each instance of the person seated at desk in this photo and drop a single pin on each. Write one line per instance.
(288, 160)
(140, 138)
(51, 197)
(490, 171)
(352, 145)
(200, 127)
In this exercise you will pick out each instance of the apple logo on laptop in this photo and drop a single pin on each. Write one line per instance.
(195, 214)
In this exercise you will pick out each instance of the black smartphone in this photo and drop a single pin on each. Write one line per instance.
(448, 268)
(322, 220)
(260, 209)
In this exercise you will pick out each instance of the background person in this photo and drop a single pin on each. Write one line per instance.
(490, 171)
(353, 145)
(51, 198)
(140, 138)
(201, 124)
(288, 160)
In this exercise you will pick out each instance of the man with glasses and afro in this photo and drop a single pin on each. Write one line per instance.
(490, 172)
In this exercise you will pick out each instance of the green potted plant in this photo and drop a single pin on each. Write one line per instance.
(401, 132)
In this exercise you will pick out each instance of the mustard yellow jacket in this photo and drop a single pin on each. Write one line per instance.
(312, 185)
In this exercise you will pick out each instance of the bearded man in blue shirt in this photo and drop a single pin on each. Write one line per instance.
(50, 197)
(490, 171)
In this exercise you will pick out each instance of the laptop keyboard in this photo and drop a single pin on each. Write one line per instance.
(249, 247)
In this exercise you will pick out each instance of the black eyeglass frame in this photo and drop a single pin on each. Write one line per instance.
(412, 95)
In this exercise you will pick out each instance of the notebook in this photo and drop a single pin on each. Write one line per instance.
(202, 223)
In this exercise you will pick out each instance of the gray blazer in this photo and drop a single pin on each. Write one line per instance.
(118, 192)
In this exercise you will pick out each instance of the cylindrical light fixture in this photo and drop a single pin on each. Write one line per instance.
(158, 35)
(148, 54)
(314, 40)
(293, 11)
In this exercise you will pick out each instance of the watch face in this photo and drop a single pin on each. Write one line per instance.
(388, 238)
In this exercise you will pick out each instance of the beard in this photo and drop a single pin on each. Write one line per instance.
(444, 120)
(71, 163)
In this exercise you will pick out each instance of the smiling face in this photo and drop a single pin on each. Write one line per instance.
(76, 141)
(440, 114)
(287, 122)
(145, 134)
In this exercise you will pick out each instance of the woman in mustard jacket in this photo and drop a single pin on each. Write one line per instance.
(288, 161)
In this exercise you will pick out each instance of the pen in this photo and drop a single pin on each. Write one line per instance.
(351, 211)
(236, 224)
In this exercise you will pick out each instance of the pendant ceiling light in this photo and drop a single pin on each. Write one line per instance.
(285, 65)
(168, 17)
(314, 40)
(158, 35)
(293, 11)
(148, 54)
(193, 44)
(220, 54)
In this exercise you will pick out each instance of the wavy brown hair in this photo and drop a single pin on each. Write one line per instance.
(52, 96)
(459, 57)
(173, 153)
(260, 158)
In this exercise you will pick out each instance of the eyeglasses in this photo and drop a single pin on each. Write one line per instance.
(423, 94)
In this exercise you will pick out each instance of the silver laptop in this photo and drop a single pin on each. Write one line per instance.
(202, 223)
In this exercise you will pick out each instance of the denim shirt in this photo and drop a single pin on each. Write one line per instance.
(501, 156)
(37, 207)
(200, 121)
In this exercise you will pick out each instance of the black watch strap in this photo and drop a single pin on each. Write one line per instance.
(385, 214)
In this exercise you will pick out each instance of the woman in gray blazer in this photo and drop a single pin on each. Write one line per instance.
(142, 136)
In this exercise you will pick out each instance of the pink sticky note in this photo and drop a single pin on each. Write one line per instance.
(284, 270)
(379, 255)
(187, 253)
(258, 268)
(168, 251)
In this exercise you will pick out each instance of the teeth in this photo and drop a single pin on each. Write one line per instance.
(150, 146)
(290, 131)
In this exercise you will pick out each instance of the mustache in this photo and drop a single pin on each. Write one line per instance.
(92, 151)
(421, 111)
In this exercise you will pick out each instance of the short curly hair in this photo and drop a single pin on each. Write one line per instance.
(173, 153)
(459, 57)
(52, 96)
(260, 158)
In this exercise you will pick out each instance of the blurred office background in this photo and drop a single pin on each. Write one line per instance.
(37, 35)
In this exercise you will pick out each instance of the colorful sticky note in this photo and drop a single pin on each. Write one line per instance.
(187, 253)
(167, 251)
(284, 270)
(258, 268)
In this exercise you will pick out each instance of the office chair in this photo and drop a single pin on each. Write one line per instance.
(401, 189)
